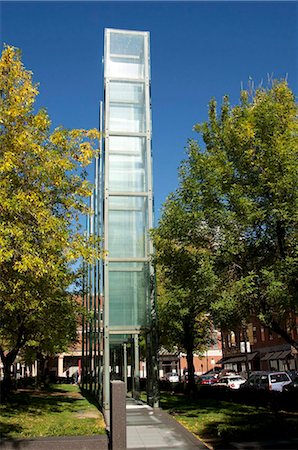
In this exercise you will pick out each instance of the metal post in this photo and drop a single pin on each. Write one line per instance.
(82, 374)
(245, 351)
(90, 289)
(99, 271)
(136, 392)
(125, 366)
(118, 416)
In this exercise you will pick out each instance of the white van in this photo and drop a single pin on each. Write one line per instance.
(272, 381)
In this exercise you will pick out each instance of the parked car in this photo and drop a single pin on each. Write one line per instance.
(227, 372)
(291, 387)
(231, 381)
(293, 373)
(207, 379)
(272, 381)
(185, 378)
(215, 371)
(172, 377)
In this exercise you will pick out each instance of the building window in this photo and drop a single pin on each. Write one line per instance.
(215, 340)
(270, 335)
(233, 339)
(228, 340)
(255, 334)
(223, 341)
(262, 334)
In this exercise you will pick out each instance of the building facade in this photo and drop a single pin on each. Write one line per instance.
(265, 350)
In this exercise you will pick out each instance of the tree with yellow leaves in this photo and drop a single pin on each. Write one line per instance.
(43, 189)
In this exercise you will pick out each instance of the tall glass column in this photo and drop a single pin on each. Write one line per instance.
(127, 193)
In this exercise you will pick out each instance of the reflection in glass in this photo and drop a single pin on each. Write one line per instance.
(128, 293)
(126, 56)
(127, 107)
(127, 164)
(126, 92)
(127, 227)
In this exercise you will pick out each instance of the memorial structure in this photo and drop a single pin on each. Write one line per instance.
(120, 294)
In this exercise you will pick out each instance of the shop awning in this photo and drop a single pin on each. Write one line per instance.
(275, 355)
(240, 358)
(267, 356)
(285, 354)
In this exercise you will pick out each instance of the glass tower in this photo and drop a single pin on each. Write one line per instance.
(128, 297)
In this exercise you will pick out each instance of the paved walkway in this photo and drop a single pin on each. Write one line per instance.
(149, 428)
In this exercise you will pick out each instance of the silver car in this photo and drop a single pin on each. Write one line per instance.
(231, 381)
(272, 381)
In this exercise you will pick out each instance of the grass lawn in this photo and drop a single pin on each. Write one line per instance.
(213, 420)
(58, 411)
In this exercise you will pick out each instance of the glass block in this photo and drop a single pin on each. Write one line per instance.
(119, 338)
(126, 92)
(128, 294)
(127, 107)
(126, 59)
(128, 225)
(127, 164)
(127, 118)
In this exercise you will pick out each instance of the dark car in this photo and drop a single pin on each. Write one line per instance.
(291, 387)
(185, 378)
(215, 371)
(207, 379)
(293, 373)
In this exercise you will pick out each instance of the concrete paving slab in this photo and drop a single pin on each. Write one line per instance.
(149, 428)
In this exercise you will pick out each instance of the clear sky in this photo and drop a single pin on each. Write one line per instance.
(199, 50)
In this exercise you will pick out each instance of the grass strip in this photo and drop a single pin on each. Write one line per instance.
(214, 420)
(60, 410)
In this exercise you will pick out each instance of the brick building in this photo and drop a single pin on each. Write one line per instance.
(265, 349)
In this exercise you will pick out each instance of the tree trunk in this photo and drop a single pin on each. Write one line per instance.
(191, 387)
(40, 369)
(189, 326)
(7, 361)
(281, 235)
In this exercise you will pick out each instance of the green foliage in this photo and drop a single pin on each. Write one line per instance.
(186, 281)
(42, 190)
(238, 203)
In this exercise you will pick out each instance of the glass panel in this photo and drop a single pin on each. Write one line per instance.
(128, 227)
(129, 118)
(119, 338)
(128, 293)
(126, 56)
(127, 164)
(127, 107)
(126, 92)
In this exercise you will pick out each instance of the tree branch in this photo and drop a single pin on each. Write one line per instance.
(274, 326)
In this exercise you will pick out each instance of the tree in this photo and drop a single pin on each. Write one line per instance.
(240, 197)
(42, 189)
(186, 281)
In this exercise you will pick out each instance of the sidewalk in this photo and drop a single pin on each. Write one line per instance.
(149, 428)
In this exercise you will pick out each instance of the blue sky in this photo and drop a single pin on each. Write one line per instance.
(199, 50)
